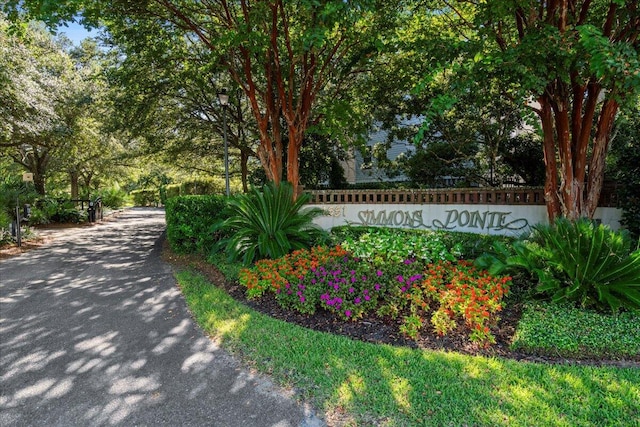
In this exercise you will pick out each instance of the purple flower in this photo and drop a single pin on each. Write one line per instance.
(357, 300)
(336, 287)
(409, 261)
(364, 278)
(399, 278)
(379, 273)
(377, 287)
(351, 290)
(301, 287)
(299, 293)
(367, 297)
(313, 281)
(324, 297)
(347, 313)
(287, 286)
(301, 298)
(403, 289)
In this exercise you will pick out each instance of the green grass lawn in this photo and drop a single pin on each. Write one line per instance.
(371, 384)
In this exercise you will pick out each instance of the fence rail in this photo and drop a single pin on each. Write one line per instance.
(491, 196)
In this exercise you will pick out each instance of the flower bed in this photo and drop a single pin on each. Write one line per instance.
(450, 293)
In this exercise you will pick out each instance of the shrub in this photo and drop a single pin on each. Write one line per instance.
(382, 245)
(191, 222)
(433, 245)
(171, 190)
(269, 223)
(5, 224)
(202, 186)
(49, 209)
(146, 197)
(13, 190)
(113, 197)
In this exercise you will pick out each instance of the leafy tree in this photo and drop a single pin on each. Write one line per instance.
(285, 56)
(522, 155)
(166, 92)
(575, 64)
(320, 163)
(625, 169)
(43, 100)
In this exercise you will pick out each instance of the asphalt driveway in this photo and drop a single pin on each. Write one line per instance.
(93, 331)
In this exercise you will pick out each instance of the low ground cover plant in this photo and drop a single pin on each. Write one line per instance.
(560, 329)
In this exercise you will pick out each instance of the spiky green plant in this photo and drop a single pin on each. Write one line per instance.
(269, 223)
(590, 264)
(576, 261)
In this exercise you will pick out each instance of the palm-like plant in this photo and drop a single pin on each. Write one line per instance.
(575, 261)
(591, 264)
(269, 223)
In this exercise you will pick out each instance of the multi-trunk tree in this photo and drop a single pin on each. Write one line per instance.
(575, 64)
(284, 56)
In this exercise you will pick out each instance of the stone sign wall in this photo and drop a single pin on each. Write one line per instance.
(475, 218)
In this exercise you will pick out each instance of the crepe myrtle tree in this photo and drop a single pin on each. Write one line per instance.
(574, 63)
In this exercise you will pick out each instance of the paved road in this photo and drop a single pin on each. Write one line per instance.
(93, 331)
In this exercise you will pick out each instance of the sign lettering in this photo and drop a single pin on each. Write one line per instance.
(487, 220)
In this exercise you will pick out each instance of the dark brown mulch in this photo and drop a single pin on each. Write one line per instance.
(387, 330)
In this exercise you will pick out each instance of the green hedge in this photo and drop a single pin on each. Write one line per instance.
(190, 221)
(146, 197)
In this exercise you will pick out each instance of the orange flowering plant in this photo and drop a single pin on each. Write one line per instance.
(461, 292)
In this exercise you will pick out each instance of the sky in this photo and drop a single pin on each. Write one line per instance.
(76, 32)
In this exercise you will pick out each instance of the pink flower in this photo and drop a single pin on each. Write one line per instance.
(347, 313)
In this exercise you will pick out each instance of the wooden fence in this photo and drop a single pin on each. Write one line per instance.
(490, 196)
